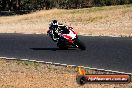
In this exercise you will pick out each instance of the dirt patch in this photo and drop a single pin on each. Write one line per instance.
(24, 74)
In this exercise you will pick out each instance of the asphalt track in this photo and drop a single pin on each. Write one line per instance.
(111, 53)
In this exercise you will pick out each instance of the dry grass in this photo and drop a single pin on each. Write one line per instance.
(23, 74)
(107, 21)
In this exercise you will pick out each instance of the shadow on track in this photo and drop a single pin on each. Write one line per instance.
(52, 49)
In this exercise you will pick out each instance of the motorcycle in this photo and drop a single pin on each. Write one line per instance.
(67, 39)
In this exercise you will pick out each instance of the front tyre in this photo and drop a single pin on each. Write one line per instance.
(80, 44)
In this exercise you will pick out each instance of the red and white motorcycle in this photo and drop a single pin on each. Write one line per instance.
(67, 40)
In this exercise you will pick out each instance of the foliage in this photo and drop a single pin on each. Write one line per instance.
(63, 4)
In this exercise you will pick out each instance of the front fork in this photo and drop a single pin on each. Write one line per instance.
(75, 43)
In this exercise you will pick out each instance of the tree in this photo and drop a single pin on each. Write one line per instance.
(4, 3)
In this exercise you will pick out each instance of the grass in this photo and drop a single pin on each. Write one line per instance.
(23, 74)
(59, 13)
(29, 64)
(37, 66)
(96, 21)
(50, 67)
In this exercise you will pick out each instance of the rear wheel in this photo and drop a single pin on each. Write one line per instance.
(80, 44)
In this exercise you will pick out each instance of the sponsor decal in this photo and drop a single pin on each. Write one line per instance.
(83, 78)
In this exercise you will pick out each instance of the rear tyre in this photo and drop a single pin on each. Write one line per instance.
(80, 44)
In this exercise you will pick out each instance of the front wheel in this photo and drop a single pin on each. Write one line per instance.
(80, 44)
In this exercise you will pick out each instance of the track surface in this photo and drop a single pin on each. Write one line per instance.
(102, 52)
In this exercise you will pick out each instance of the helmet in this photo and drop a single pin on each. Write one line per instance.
(54, 24)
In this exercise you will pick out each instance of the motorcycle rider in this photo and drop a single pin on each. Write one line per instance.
(57, 28)
(59, 33)
(53, 26)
